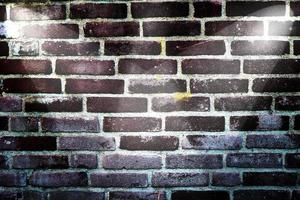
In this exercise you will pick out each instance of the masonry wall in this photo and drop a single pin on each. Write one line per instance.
(149, 100)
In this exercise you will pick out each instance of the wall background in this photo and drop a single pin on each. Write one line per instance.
(149, 100)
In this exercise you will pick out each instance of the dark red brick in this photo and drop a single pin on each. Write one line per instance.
(147, 86)
(297, 47)
(75, 195)
(10, 104)
(153, 143)
(205, 195)
(210, 66)
(24, 124)
(276, 85)
(207, 9)
(40, 162)
(287, 28)
(159, 9)
(219, 86)
(17, 66)
(292, 160)
(3, 15)
(131, 124)
(269, 179)
(77, 86)
(137, 195)
(261, 194)
(3, 123)
(116, 104)
(226, 179)
(96, 10)
(88, 161)
(111, 29)
(4, 49)
(119, 180)
(193, 48)
(13, 179)
(3, 162)
(126, 47)
(295, 8)
(291, 103)
(280, 141)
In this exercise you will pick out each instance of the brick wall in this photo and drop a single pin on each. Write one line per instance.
(144, 100)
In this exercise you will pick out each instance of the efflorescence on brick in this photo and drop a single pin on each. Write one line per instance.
(149, 100)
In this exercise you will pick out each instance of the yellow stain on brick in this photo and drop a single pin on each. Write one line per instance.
(158, 77)
(182, 96)
(162, 41)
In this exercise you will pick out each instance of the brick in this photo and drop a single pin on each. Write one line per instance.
(254, 160)
(164, 179)
(111, 29)
(208, 142)
(258, 9)
(3, 162)
(234, 28)
(207, 9)
(292, 160)
(291, 103)
(260, 47)
(219, 86)
(88, 161)
(84, 67)
(75, 195)
(171, 28)
(147, 86)
(170, 104)
(195, 123)
(4, 49)
(51, 31)
(37, 12)
(70, 124)
(259, 123)
(95, 143)
(21, 48)
(119, 161)
(116, 104)
(131, 124)
(70, 49)
(24, 124)
(150, 143)
(29, 143)
(3, 123)
(119, 180)
(33, 194)
(204, 161)
(127, 47)
(297, 47)
(287, 28)
(58, 179)
(32, 85)
(18, 66)
(286, 141)
(13, 179)
(226, 179)
(271, 66)
(104, 86)
(53, 104)
(276, 85)
(295, 9)
(10, 104)
(40, 162)
(3, 15)
(193, 48)
(205, 195)
(210, 66)
(246, 103)
(96, 10)
(269, 179)
(147, 66)
(137, 195)
(159, 9)
(261, 194)
(297, 122)
(10, 195)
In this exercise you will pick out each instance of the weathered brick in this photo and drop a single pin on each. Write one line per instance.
(195, 123)
(276, 85)
(95, 143)
(18, 66)
(205, 195)
(127, 47)
(131, 124)
(164, 179)
(10, 104)
(120, 161)
(234, 28)
(159, 9)
(26, 195)
(226, 179)
(137, 195)
(286, 141)
(75, 195)
(3, 162)
(295, 9)
(58, 179)
(261, 194)
(291, 103)
(24, 124)
(292, 160)
(40, 162)
(258, 9)
(73, 124)
(25, 48)
(147, 86)
(151, 143)
(88, 161)
(96, 10)
(4, 49)
(171, 28)
(210, 66)
(37, 12)
(249, 103)
(205, 161)
(13, 179)
(297, 122)
(3, 15)
(193, 48)
(287, 28)
(111, 29)
(219, 86)
(3, 123)
(269, 179)
(119, 180)
(297, 47)
(116, 104)
(77, 86)
(71, 49)
(295, 194)
(208, 142)
(147, 66)
(33, 195)
(207, 9)
(259, 123)
(254, 160)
